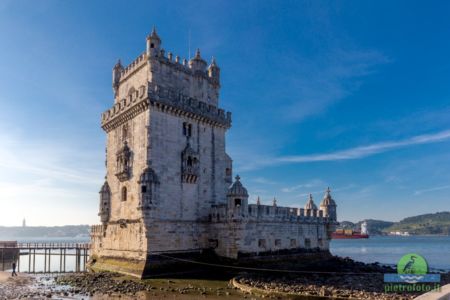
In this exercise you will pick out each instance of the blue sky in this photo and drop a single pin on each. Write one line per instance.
(354, 95)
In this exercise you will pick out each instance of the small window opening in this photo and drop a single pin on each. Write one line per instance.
(144, 189)
(307, 243)
(152, 45)
(237, 202)
(189, 161)
(293, 243)
(262, 243)
(124, 194)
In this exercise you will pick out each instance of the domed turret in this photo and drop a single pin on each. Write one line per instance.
(153, 44)
(197, 64)
(105, 203)
(214, 72)
(310, 204)
(237, 196)
(237, 189)
(310, 207)
(116, 74)
(328, 206)
(148, 181)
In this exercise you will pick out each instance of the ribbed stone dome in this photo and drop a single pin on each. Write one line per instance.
(327, 200)
(105, 188)
(237, 189)
(310, 204)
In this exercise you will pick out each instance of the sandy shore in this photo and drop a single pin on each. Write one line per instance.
(14, 287)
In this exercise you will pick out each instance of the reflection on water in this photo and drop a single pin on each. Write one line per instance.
(389, 249)
(35, 261)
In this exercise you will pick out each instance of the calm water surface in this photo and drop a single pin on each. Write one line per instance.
(389, 249)
(382, 249)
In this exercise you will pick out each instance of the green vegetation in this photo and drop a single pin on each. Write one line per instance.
(437, 223)
(375, 227)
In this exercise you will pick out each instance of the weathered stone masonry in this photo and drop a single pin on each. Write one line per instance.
(168, 185)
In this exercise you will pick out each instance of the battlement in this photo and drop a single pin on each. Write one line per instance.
(188, 105)
(134, 65)
(259, 212)
(162, 96)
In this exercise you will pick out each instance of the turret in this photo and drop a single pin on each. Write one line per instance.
(328, 206)
(310, 207)
(116, 73)
(237, 197)
(105, 203)
(148, 182)
(153, 44)
(214, 72)
(197, 64)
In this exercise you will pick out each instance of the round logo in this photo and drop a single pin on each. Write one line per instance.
(412, 263)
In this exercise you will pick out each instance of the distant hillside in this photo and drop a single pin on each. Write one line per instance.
(437, 223)
(41, 231)
(373, 226)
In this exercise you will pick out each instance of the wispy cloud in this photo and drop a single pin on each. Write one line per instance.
(49, 160)
(359, 152)
(307, 185)
(364, 151)
(433, 189)
(263, 180)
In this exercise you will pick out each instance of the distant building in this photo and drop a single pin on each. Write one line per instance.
(24, 223)
(169, 187)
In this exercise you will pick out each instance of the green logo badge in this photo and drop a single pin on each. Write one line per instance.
(412, 263)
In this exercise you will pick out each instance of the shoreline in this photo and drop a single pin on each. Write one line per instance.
(334, 278)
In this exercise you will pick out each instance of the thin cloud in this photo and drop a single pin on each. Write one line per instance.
(364, 151)
(433, 189)
(310, 184)
(252, 163)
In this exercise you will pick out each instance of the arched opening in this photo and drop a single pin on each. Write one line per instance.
(189, 161)
(124, 194)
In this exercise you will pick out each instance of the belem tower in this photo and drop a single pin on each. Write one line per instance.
(169, 185)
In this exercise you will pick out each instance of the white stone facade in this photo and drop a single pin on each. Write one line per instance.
(167, 187)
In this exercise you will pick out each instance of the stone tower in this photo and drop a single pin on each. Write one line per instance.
(168, 188)
(165, 156)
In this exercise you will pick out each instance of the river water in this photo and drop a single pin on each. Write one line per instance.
(383, 249)
(389, 249)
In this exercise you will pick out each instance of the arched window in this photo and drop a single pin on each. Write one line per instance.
(189, 161)
(124, 194)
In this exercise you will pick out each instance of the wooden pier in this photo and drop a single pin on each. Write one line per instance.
(10, 252)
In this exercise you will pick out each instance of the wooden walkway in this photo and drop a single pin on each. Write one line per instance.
(12, 251)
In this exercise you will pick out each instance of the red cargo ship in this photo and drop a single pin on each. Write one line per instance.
(354, 235)
(350, 233)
